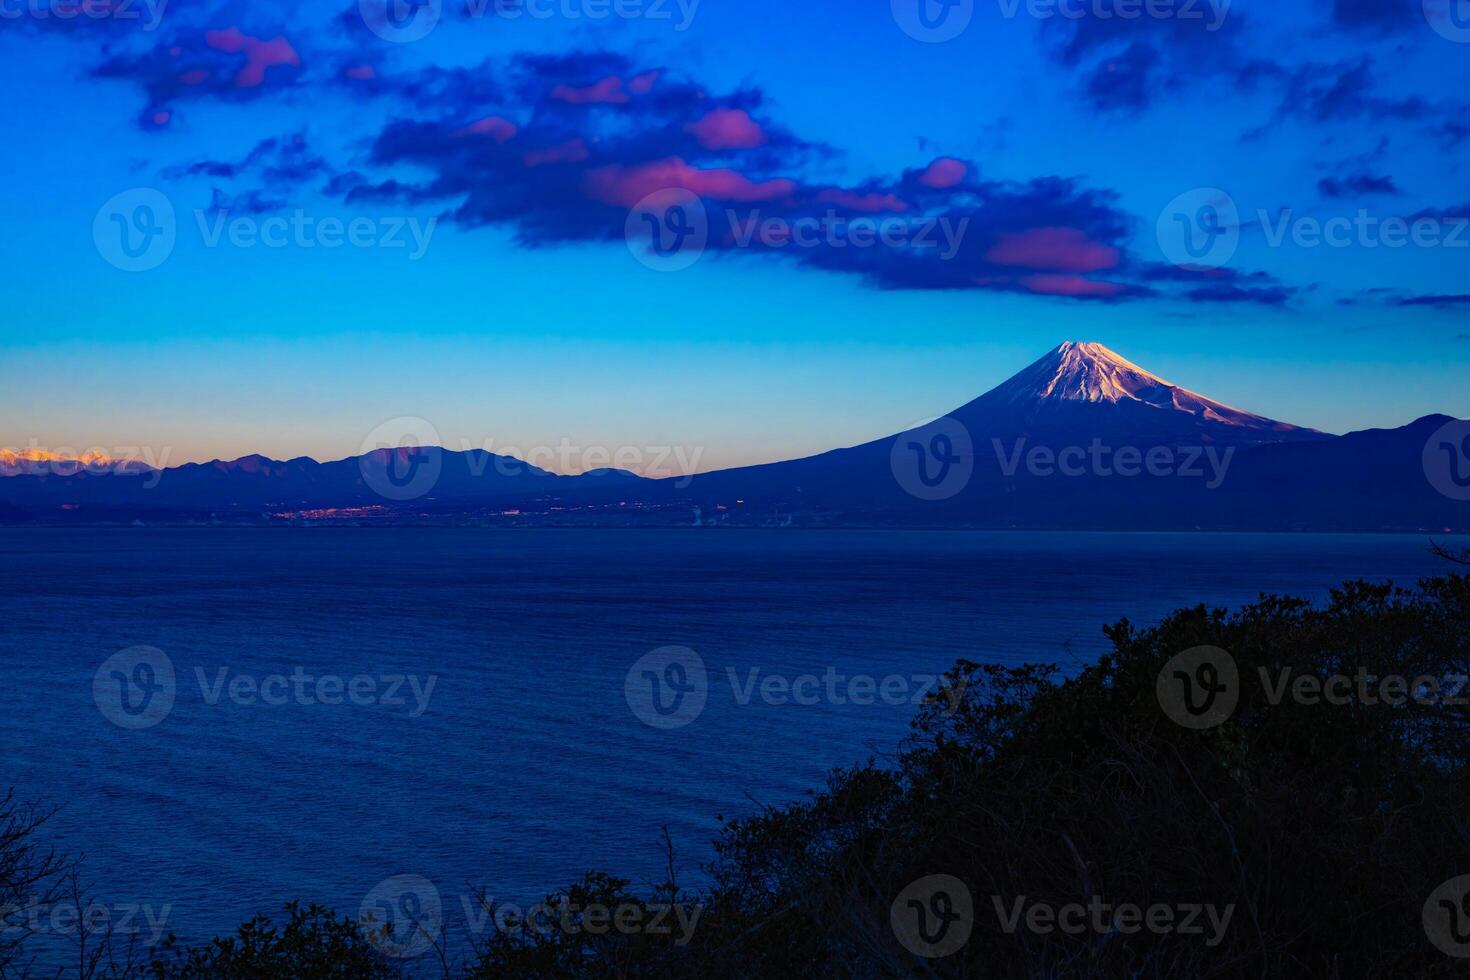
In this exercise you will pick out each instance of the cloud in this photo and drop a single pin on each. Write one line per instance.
(1125, 82)
(1128, 59)
(571, 169)
(497, 128)
(1442, 301)
(1232, 293)
(555, 170)
(943, 173)
(727, 129)
(1061, 249)
(252, 202)
(259, 54)
(1222, 285)
(194, 64)
(1357, 185)
(858, 200)
(626, 186)
(571, 151)
(277, 160)
(1074, 286)
(1344, 91)
(1379, 16)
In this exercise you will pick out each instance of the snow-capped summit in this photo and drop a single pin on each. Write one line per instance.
(1078, 386)
(1086, 372)
(42, 462)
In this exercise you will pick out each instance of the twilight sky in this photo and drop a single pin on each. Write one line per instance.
(241, 227)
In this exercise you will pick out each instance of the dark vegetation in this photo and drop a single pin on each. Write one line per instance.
(1326, 827)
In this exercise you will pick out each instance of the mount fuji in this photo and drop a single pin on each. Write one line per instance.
(1080, 439)
(1082, 389)
(1084, 438)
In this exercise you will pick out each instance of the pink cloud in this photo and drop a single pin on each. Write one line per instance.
(196, 77)
(496, 127)
(862, 202)
(626, 186)
(572, 151)
(161, 118)
(1063, 285)
(1066, 249)
(643, 84)
(361, 73)
(259, 55)
(609, 90)
(944, 173)
(727, 129)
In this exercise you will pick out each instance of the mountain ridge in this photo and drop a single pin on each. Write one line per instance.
(1082, 437)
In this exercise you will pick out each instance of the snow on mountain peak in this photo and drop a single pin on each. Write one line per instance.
(41, 462)
(1091, 373)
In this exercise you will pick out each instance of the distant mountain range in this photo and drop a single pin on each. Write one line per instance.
(1082, 438)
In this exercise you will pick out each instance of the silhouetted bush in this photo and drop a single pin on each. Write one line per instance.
(1324, 827)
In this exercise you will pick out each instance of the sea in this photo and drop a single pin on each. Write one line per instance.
(231, 719)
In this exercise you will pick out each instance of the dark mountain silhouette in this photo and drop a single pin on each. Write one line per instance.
(1081, 439)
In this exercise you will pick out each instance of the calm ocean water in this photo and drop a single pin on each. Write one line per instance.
(524, 765)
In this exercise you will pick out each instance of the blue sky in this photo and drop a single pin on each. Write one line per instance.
(1052, 145)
